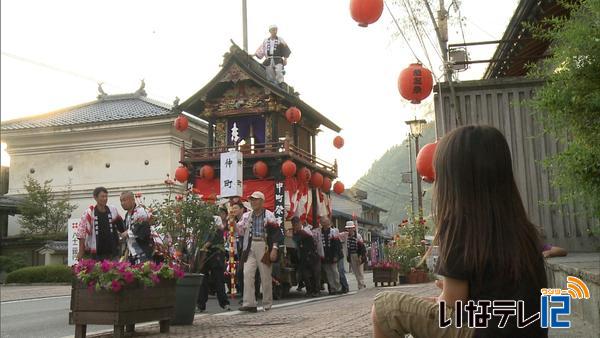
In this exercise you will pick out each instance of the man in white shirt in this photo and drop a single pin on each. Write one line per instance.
(275, 51)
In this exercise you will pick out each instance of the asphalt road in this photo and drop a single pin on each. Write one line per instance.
(49, 317)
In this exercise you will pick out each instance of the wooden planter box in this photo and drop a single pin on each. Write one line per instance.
(133, 304)
(388, 276)
(418, 276)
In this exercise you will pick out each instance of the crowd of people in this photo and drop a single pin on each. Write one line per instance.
(318, 252)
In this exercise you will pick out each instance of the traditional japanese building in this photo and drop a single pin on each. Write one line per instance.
(247, 112)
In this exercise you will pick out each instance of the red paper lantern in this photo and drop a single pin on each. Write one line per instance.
(182, 174)
(304, 175)
(338, 187)
(207, 172)
(288, 168)
(181, 123)
(415, 83)
(260, 169)
(425, 161)
(293, 115)
(326, 186)
(366, 12)
(316, 180)
(338, 142)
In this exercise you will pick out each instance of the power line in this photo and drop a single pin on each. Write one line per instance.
(413, 20)
(401, 32)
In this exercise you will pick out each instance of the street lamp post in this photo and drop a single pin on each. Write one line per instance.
(416, 130)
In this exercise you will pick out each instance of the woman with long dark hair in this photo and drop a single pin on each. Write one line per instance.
(489, 250)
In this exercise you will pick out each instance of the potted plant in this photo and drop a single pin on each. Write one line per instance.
(411, 245)
(121, 294)
(183, 222)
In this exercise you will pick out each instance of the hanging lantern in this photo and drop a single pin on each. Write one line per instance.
(182, 174)
(366, 12)
(207, 172)
(260, 169)
(316, 180)
(338, 142)
(415, 83)
(293, 115)
(303, 175)
(326, 186)
(425, 161)
(181, 123)
(338, 187)
(288, 168)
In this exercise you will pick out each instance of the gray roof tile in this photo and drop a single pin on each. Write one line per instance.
(106, 109)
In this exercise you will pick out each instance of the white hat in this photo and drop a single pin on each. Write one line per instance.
(272, 27)
(350, 225)
(258, 195)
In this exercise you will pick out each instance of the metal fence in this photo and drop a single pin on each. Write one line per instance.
(503, 103)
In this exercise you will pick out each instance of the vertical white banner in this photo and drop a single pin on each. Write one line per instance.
(232, 181)
(73, 242)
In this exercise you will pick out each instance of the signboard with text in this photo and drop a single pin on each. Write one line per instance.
(73, 242)
(232, 181)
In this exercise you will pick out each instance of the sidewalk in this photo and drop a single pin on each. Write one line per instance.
(20, 292)
(337, 316)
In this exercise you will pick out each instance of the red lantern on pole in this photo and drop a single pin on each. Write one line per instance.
(207, 172)
(316, 180)
(425, 161)
(366, 12)
(181, 123)
(338, 187)
(304, 175)
(415, 83)
(182, 174)
(288, 168)
(260, 169)
(338, 142)
(326, 184)
(293, 115)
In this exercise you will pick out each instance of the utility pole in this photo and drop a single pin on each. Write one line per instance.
(441, 31)
(245, 25)
(419, 189)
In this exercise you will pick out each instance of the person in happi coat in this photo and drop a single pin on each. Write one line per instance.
(214, 266)
(275, 51)
(307, 255)
(262, 234)
(332, 250)
(99, 229)
(137, 234)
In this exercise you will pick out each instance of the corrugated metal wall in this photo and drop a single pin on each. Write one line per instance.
(502, 103)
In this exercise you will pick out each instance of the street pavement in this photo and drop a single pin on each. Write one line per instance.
(42, 311)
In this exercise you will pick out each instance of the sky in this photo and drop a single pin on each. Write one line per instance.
(55, 52)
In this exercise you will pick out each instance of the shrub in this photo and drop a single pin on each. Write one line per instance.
(41, 274)
(11, 263)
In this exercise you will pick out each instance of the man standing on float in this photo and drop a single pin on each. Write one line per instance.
(275, 51)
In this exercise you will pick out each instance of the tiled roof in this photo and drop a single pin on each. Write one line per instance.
(105, 109)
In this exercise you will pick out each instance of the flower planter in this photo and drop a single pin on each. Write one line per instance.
(385, 275)
(417, 276)
(186, 298)
(132, 304)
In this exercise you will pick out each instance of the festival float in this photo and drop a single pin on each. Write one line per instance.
(275, 132)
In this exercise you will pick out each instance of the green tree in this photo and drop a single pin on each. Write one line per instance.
(568, 105)
(42, 212)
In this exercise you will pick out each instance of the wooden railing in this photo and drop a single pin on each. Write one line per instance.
(258, 150)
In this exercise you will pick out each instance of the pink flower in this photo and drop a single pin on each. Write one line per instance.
(155, 278)
(115, 285)
(178, 198)
(178, 272)
(106, 266)
(91, 286)
(128, 277)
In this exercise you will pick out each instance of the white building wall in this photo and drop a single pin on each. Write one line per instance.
(126, 147)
